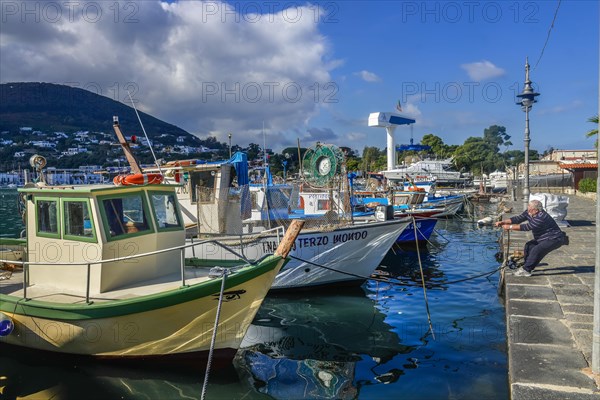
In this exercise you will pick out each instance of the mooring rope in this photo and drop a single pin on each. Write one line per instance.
(423, 278)
(387, 280)
(223, 271)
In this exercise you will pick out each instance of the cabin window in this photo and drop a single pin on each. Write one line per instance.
(165, 210)
(203, 186)
(77, 219)
(322, 205)
(47, 217)
(125, 215)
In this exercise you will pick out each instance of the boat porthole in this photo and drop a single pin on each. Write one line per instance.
(307, 270)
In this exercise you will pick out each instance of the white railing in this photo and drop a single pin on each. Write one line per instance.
(26, 264)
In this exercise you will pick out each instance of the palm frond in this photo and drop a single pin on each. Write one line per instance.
(593, 132)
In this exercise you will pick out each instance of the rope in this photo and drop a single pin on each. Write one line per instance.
(548, 36)
(145, 134)
(214, 335)
(397, 283)
(423, 280)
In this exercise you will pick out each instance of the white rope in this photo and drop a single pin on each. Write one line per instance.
(145, 134)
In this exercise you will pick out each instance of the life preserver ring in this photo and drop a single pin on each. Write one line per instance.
(415, 189)
(138, 179)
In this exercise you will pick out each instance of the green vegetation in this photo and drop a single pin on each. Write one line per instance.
(587, 185)
(54, 109)
(593, 132)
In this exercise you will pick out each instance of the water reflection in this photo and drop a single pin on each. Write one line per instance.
(11, 224)
(26, 375)
(314, 346)
(372, 342)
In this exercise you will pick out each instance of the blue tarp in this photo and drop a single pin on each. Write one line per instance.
(240, 163)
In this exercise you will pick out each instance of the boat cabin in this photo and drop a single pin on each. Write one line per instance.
(208, 196)
(71, 228)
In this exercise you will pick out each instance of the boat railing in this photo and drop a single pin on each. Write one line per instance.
(88, 264)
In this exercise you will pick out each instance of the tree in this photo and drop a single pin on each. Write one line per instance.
(496, 136)
(253, 150)
(371, 156)
(593, 132)
(435, 142)
(477, 155)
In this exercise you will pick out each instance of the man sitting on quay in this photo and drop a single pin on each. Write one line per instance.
(547, 236)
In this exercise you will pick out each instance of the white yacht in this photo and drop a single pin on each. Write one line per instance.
(442, 170)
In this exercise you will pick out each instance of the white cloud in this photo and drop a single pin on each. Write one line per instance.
(482, 70)
(559, 109)
(197, 65)
(368, 76)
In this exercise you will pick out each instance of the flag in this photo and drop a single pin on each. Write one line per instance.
(399, 106)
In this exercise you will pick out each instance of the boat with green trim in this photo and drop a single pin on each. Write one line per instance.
(102, 273)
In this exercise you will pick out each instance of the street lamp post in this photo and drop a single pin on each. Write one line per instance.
(229, 136)
(527, 99)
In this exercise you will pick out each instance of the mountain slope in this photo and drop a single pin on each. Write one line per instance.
(51, 107)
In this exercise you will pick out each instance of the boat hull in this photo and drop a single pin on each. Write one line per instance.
(323, 257)
(425, 228)
(175, 323)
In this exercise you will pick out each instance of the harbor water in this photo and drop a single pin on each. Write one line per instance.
(372, 342)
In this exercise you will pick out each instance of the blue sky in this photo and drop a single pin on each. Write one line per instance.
(314, 71)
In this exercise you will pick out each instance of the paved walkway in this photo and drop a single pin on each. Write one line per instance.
(550, 315)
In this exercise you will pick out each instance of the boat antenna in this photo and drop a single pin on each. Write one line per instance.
(265, 186)
(145, 134)
(264, 143)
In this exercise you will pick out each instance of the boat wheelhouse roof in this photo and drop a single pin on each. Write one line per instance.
(86, 188)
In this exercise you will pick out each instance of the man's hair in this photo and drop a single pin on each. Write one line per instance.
(537, 205)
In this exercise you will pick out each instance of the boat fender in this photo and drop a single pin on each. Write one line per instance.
(6, 325)
(485, 221)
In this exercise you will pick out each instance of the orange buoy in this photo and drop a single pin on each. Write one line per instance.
(138, 179)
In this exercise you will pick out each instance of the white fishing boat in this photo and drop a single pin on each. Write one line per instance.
(102, 273)
(219, 202)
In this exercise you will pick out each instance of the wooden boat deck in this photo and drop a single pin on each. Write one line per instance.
(11, 283)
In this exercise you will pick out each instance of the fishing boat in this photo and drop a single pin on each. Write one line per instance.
(331, 250)
(102, 273)
(218, 201)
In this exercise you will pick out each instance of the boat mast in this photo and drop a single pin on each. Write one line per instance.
(135, 168)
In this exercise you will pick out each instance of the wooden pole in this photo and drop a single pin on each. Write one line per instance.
(135, 168)
(288, 240)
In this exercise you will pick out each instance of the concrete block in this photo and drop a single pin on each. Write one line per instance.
(546, 309)
(539, 331)
(529, 292)
(549, 365)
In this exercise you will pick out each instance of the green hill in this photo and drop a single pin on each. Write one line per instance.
(50, 107)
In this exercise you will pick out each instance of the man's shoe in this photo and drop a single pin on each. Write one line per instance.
(522, 272)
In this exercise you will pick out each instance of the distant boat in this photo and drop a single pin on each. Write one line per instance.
(498, 181)
(442, 170)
